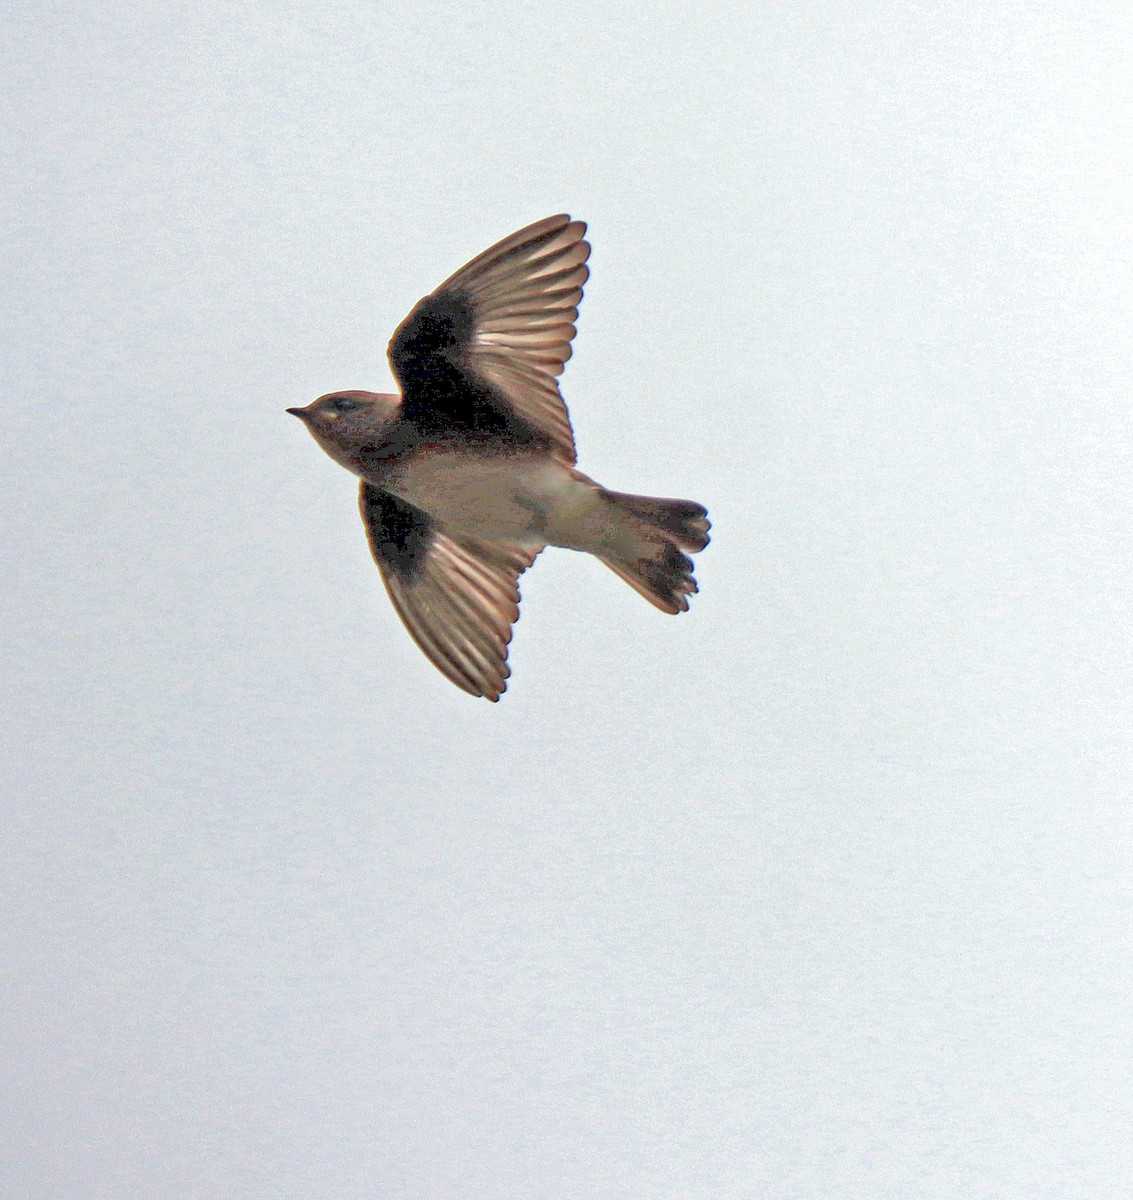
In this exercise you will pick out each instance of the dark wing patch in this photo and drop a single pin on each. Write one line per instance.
(457, 597)
(442, 398)
(483, 352)
(398, 532)
(439, 327)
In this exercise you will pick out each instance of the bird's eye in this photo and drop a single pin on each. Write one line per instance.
(344, 404)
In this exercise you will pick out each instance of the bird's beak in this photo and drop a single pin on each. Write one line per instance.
(301, 413)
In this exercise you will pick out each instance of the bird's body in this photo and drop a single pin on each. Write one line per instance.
(469, 473)
(523, 497)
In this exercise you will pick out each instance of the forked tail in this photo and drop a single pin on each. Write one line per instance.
(649, 547)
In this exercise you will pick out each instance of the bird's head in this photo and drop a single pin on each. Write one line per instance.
(345, 422)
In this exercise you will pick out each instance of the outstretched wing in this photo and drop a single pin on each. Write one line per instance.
(484, 351)
(458, 598)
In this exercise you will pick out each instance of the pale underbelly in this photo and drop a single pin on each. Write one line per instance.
(533, 500)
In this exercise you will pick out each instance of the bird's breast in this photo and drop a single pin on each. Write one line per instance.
(486, 496)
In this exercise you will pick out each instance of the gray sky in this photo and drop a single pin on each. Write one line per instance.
(822, 890)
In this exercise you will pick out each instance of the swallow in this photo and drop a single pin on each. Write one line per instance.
(469, 472)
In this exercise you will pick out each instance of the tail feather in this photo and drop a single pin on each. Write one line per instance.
(652, 559)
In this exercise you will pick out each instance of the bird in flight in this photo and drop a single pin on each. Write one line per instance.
(470, 472)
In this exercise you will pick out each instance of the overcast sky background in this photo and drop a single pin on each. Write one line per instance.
(822, 890)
